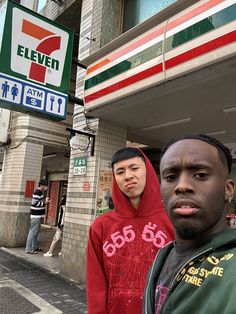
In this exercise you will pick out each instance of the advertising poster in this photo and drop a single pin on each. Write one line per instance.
(51, 213)
(104, 199)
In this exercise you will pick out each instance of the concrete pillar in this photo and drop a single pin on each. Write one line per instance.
(20, 165)
(82, 203)
(100, 20)
(22, 162)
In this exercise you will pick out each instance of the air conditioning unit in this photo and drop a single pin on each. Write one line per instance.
(4, 125)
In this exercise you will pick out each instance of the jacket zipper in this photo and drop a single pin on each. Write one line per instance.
(153, 266)
(178, 273)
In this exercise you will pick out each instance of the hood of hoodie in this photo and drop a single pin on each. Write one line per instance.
(151, 201)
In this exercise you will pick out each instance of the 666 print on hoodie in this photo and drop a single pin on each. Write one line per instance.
(121, 238)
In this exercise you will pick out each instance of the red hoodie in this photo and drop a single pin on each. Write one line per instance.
(121, 247)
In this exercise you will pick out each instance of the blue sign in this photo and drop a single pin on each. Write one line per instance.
(19, 95)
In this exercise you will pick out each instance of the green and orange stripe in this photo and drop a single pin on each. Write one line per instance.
(152, 35)
(209, 24)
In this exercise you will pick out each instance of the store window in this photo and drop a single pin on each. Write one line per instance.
(41, 4)
(137, 11)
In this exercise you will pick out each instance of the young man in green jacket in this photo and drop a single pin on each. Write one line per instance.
(196, 273)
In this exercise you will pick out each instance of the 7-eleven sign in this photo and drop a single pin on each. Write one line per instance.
(36, 55)
(39, 48)
(35, 51)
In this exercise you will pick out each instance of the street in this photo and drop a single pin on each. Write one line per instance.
(27, 288)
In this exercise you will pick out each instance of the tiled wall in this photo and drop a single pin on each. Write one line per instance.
(22, 162)
(81, 205)
(111, 21)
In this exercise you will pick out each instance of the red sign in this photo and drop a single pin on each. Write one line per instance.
(53, 205)
(86, 186)
(29, 188)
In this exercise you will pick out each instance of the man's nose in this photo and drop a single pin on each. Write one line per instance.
(184, 184)
(128, 174)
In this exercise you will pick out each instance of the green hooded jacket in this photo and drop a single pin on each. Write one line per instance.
(206, 284)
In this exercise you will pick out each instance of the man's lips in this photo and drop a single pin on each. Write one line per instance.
(130, 185)
(185, 207)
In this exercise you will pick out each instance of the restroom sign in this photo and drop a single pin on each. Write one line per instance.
(37, 54)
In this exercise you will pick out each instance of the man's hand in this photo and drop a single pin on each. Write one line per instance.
(47, 200)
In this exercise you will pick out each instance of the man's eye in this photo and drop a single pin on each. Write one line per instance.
(170, 177)
(119, 172)
(202, 175)
(135, 168)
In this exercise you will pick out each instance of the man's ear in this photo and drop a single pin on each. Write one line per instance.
(229, 189)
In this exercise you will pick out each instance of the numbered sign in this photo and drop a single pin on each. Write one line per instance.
(80, 166)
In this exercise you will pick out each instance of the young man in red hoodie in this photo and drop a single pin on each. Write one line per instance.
(123, 242)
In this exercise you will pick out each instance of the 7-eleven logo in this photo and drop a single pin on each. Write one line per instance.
(38, 48)
(40, 57)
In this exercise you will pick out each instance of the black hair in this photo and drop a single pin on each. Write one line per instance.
(125, 153)
(43, 182)
(63, 200)
(223, 151)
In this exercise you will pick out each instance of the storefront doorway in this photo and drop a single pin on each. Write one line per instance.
(57, 188)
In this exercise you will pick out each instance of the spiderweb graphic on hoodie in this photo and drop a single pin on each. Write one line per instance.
(129, 267)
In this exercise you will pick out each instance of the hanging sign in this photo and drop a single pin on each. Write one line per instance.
(80, 142)
(37, 54)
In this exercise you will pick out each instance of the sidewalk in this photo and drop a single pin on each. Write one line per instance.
(32, 283)
(51, 264)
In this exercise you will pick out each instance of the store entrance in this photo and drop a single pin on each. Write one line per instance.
(57, 188)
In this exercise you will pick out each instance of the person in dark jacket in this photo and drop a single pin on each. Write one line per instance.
(195, 273)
